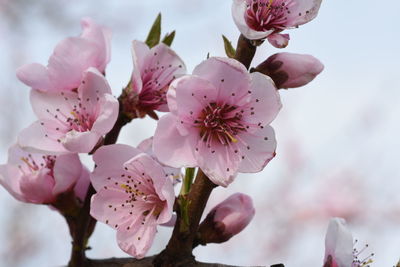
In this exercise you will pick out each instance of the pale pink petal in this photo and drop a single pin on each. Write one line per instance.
(265, 101)
(238, 13)
(188, 95)
(339, 243)
(279, 40)
(139, 52)
(230, 78)
(93, 85)
(37, 187)
(10, 180)
(109, 161)
(82, 185)
(71, 56)
(303, 11)
(170, 147)
(107, 115)
(136, 243)
(256, 149)
(218, 162)
(67, 170)
(102, 37)
(80, 142)
(36, 76)
(35, 139)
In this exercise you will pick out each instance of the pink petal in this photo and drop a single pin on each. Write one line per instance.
(80, 142)
(265, 100)
(170, 147)
(67, 170)
(35, 75)
(94, 84)
(37, 187)
(189, 95)
(303, 11)
(339, 242)
(257, 148)
(139, 52)
(109, 160)
(136, 243)
(238, 13)
(72, 56)
(10, 179)
(218, 162)
(82, 184)
(102, 37)
(107, 115)
(279, 40)
(33, 139)
(229, 77)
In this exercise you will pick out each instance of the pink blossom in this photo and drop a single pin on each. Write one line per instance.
(290, 70)
(339, 251)
(146, 146)
(40, 178)
(219, 121)
(69, 121)
(258, 19)
(70, 59)
(133, 196)
(227, 219)
(154, 70)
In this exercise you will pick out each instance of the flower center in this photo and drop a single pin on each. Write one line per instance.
(32, 166)
(265, 15)
(220, 123)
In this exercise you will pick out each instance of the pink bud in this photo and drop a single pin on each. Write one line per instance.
(227, 219)
(290, 70)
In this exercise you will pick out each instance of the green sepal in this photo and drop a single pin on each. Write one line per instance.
(229, 50)
(169, 38)
(154, 36)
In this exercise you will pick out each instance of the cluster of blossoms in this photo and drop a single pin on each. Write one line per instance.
(217, 120)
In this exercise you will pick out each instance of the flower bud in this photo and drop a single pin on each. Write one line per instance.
(290, 70)
(226, 219)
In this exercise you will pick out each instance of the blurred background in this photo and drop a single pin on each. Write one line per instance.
(338, 137)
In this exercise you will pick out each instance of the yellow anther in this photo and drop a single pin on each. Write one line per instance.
(270, 3)
(233, 139)
(26, 161)
(126, 187)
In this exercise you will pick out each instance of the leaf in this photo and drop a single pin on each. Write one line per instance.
(154, 36)
(169, 38)
(229, 50)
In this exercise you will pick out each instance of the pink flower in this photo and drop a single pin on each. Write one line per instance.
(133, 195)
(227, 219)
(339, 244)
(290, 70)
(146, 146)
(219, 121)
(154, 70)
(69, 121)
(258, 19)
(39, 178)
(70, 59)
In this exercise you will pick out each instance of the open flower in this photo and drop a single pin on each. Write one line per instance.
(289, 70)
(70, 59)
(258, 19)
(154, 70)
(134, 195)
(69, 121)
(339, 251)
(40, 178)
(227, 219)
(219, 121)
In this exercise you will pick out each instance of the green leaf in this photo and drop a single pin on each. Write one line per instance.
(229, 50)
(169, 38)
(154, 36)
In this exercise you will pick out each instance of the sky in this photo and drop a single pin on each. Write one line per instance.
(338, 145)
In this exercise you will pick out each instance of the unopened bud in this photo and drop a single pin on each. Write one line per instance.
(226, 219)
(290, 70)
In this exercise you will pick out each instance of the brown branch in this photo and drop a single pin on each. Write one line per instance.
(245, 51)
